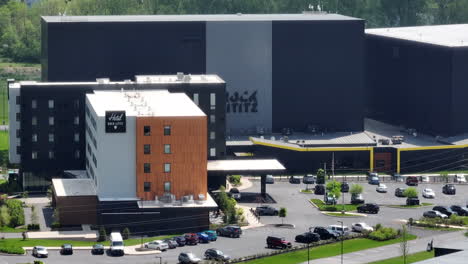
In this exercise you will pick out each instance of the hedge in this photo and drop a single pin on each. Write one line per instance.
(15, 208)
(12, 250)
(33, 227)
(383, 233)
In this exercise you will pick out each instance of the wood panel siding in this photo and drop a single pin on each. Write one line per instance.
(188, 157)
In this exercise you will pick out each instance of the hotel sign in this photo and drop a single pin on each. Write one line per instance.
(115, 122)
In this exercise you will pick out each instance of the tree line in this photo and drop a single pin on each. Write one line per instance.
(20, 23)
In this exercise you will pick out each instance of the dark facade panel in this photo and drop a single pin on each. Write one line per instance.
(74, 51)
(419, 161)
(77, 210)
(460, 90)
(318, 75)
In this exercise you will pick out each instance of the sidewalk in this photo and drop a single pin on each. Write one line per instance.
(390, 251)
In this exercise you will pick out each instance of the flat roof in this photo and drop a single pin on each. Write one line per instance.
(144, 103)
(444, 35)
(313, 16)
(74, 187)
(245, 165)
(452, 258)
(208, 203)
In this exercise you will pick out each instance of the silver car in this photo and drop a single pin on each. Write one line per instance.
(40, 251)
(158, 245)
(186, 257)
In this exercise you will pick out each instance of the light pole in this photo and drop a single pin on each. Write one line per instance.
(342, 239)
(308, 247)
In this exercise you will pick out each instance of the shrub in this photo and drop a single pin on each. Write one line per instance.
(38, 262)
(55, 224)
(411, 192)
(102, 234)
(4, 216)
(334, 188)
(33, 227)
(235, 179)
(126, 233)
(383, 233)
(12, 250)
(320, 176)
(16, 211)
(330, 208)
(378, 226)
(456, 220)
(356, 189)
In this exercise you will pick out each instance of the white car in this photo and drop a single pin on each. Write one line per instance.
(381, 188)
(460, 178)
(158, 245)
(360, 227)
(40, 251)
(428, 193)
(425, 179)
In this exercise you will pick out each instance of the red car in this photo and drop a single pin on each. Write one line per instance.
(412, 181)
(191, 239)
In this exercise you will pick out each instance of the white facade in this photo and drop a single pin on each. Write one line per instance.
(14, 124)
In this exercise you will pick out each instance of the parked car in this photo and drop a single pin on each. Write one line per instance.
(368, 208)
(344, 187)
(340, 230)
(309, 179)
(361, 227)
(270, 179)
(235, 193)
(444, 209)
(229, 231)
(330, 199)
(211, 234)
(424, 179)
(460, 178)
(66, 249)
(461, 211)
(372, 174)
(397, 177)
(399, 192)
(428, 193)
(180, 240)
(449, 189)
(325, 233)
(412, 181)
(40, 252)
(98, 249)
(203, 238)
(374, 180)
(188, 258)
(266, 210)
(412, 201)
(382, 188)
(157, 245)
(434, 214)
(216, 254)
(171, 243)
(307, 237)
(191, 239)
(294, 180)
(319, 189)
(357, 198)
(277, 242)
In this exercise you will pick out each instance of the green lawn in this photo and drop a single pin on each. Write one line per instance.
(4, 143)
(323, 207)
(325, 251)
(420, 256)
(6, 229)
(306, 191)
(342, 215)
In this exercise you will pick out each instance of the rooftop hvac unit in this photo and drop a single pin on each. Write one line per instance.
(102, 80)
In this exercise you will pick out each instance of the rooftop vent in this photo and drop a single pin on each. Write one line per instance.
(102, 80)
(180, 76)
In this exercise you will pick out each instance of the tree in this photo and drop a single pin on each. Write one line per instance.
(126, 233)
(334, 188)
(404, 245)
(411, 192)
(34, 217)
(4, 216)
(282, 213)
(320, 176)
(356, 189)
(102, 234)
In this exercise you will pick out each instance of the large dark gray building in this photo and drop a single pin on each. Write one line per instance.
(282, 71)
(417, 77)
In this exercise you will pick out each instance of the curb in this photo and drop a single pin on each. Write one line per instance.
(311, 192)
(348, 215)
(406, 208)
(313, 204)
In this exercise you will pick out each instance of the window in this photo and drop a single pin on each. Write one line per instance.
(34, 138)
(77, 137)
(34, 155)
(146, 168)
(167, 167)
(167, 149)
(18, 100)
(77, 154)
(147, 186)
(167, 187)
(212, 152)
(167, 130)
(51, 155)
(76, 120)
(18, 116)
(212, 135)
(147, 130)
(212, 119)
(51, 104)
(34, 121)
(18, 133)
(195, 98)
(147, 149)
(33, 104)
(51, 120)
(212, 101)
(51, 137)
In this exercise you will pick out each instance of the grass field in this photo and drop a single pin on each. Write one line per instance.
(342, 215)
(6, 229)
(323, 207)
(420, 256)
(325, 251)
(4, 140)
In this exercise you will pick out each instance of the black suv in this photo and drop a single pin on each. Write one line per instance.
(307, 237)
(229, 231)
(449, 189)
(277, 242)
(412, 201)
(325, 233)
(319, 189)
(294, 180)
(461, 211)
(180, 241)
(344, 187)
(368, 208)
(399, 192)
(444, 209)
(66, 249)
(215, 254)
(356, 198)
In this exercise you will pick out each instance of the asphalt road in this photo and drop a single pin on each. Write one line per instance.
(300, 213)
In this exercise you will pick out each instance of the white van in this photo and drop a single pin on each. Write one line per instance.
(116, 244)
(338, 229)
